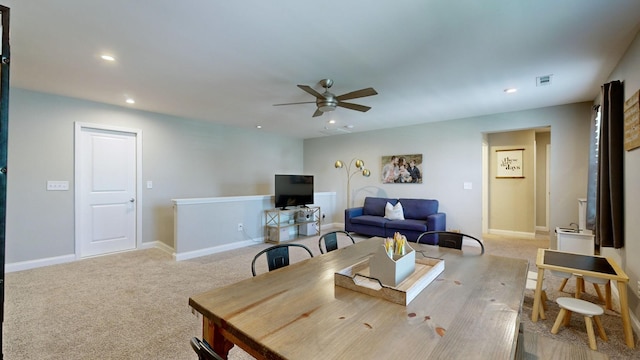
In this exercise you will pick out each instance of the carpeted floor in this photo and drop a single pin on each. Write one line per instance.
(134, 305)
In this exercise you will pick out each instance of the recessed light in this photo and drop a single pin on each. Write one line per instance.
(332, 121)
(107, 57)
(510, 90)
(130, 101)
(258, 126)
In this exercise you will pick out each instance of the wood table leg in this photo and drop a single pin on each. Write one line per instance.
(211, 333)
(624, 314)
(537, 297)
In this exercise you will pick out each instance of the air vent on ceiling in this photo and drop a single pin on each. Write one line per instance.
(334, 131)
(543, 80)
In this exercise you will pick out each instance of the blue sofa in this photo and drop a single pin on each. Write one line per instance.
(420, 215)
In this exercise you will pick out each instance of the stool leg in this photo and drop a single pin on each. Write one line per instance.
(603, 335)
(564, 282)
(579, 286)
(597, 288)
(541, 309)
(592, 337)
(607, 291)
(567, 318)
(556, 325)
(544, 300)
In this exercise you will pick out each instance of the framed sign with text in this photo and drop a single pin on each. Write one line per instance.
(509, 163)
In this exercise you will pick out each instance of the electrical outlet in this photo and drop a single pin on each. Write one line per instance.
(240, 227)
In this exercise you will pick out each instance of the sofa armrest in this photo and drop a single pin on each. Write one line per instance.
(437, 222)
(350, 214)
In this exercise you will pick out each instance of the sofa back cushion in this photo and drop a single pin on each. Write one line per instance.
(418, 208)
(375, 206)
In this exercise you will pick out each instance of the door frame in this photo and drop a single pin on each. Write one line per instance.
(78, 127)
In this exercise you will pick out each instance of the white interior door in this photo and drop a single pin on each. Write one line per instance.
(106, 184)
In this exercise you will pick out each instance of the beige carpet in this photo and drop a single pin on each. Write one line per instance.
(134, 305)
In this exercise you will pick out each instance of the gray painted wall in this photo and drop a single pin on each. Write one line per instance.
(628, 72)
(184, 158)
(452, 155)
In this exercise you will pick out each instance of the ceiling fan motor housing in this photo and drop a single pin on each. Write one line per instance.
(329, 102)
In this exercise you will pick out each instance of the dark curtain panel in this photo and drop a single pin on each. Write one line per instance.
(609, 195)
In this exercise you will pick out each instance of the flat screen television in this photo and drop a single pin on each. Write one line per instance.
(293, 190)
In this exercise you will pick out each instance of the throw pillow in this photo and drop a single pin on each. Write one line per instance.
(392, 212)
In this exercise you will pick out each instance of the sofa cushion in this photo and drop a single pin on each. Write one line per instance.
(376, 221)
(408, 224)
(418, 208)
(393, 212)
(375, 206)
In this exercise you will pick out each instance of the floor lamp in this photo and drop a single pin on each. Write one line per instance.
(359, 169)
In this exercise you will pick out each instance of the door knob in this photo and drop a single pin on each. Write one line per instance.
(132, 200)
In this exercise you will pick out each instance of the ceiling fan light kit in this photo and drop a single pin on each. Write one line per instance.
(327, 101)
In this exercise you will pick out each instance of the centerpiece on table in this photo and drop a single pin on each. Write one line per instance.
(394, 261)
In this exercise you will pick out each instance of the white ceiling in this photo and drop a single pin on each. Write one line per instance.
(228, 62)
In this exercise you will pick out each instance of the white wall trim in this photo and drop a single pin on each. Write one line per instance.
(227, 199)
(157, 245)
(214, 250)
(520, 234)
(32, 264)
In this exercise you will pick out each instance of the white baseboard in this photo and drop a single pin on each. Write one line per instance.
(32, 264)
(157, 245)
(214, 250)
(542, 228)
(520, 234)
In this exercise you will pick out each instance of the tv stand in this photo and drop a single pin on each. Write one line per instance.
(288, 224)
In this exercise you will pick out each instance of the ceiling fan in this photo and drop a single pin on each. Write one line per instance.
(327, 101)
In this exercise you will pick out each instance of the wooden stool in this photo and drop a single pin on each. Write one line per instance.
(597, 281)
(531, 285)
(565, 276)
(589, 310)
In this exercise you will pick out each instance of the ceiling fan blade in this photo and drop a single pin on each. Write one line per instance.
(354, 106)
(317, 113)
(296, 103)
(357, 94)
(310, 90)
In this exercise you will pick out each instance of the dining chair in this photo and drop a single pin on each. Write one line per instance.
(277, 256)
(203, 350)
(449, 239)
(330, 240)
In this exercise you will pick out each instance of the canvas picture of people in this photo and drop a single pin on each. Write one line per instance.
(402, 169)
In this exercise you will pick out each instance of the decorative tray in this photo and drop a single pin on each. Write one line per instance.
(356, 278)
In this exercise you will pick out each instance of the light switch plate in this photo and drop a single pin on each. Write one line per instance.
(468, 186)
(57, 185)
(149, 184)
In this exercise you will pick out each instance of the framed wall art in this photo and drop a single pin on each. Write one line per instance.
(402, 169)
(509, 163)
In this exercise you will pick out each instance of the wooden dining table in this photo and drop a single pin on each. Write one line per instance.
(589, 265)
(471, 310)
